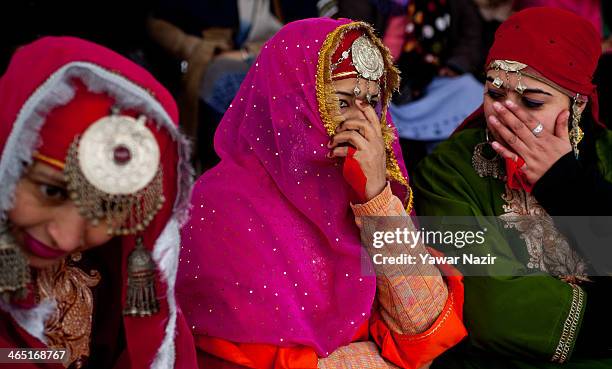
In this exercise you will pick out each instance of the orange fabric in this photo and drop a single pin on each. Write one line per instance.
(414, 351)
(258, 356)
(405, 351)
(362, 333)
(262, 356)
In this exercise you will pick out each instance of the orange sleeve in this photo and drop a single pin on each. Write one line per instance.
(252, 355)
(414, 351)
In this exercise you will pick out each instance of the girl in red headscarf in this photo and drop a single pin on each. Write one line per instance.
(533, 150)
(96, 181)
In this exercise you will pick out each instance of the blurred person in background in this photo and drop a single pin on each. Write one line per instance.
(588, 9)
(210, 46)
(438, 48)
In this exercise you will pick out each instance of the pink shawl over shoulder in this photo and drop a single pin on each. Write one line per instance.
(272, 252)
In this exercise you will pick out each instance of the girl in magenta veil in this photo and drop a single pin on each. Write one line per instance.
(270, 275)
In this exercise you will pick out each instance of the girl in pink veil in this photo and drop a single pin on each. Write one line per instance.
(270, 272)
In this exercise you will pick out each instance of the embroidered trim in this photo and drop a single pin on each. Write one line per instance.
(410, 202)
(344, 74)
(70, 325)
(549, 252)
(328, 102)
(437, 327)
(569, 327)
(548, 249)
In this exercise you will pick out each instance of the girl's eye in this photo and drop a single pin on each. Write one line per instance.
(495, 95)
(343, 104)
(53, 192)
(532, 104)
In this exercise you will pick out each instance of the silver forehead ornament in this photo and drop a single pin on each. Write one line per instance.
(118, 154)
(113, 174)
(368, 61)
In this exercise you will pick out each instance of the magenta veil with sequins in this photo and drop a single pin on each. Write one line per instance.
(272, 253)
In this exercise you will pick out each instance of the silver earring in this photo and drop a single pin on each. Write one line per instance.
(14, 268)
(141, 297)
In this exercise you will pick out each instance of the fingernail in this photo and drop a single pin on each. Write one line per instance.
(493, 120)
(510, 104)
(495, 145)
(329, 154)
(329, 144)
(497, 106)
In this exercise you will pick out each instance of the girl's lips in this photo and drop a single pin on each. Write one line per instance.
(40, 249)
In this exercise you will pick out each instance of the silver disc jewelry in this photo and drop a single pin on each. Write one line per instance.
(119, 154)
(367, 59)
(113, 174)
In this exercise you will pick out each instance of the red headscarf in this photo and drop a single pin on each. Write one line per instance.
(53, 90)
(561, 46)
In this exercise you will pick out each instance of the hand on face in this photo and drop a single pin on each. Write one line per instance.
(361, 130)
(513, 126)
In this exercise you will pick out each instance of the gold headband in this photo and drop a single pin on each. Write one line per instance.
(49, 160)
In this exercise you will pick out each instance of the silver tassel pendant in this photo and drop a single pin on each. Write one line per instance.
(14, 269)
(141, 299)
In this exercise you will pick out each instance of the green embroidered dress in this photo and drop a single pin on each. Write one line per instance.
(529, 319)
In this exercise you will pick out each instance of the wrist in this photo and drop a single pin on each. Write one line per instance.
(377, 206)
(374, 190)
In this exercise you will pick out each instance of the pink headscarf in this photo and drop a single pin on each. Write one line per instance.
(272, 253)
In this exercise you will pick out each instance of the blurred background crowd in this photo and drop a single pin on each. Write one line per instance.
(202, 49)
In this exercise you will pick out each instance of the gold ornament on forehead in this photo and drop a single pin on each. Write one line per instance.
(508, 66)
